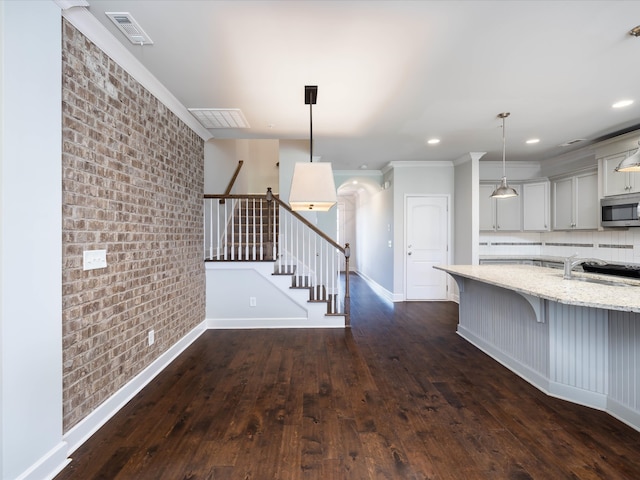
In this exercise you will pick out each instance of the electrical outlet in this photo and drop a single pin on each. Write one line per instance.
(252, 301)
(152, 337)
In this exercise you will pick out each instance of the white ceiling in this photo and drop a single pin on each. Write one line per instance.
(393, 74)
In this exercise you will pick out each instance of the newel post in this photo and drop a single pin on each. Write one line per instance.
(347, 296)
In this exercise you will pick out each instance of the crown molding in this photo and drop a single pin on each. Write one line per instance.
(67, 4)
(358, 173)
(512, 165)
(467, 157)
(418, 163)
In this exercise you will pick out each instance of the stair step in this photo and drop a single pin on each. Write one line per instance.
(284, 270)
(301, 281)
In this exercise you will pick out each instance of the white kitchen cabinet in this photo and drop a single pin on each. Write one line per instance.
(503, 214)
(575, 202)
(535, 206)
(487, 207)
(618, 183)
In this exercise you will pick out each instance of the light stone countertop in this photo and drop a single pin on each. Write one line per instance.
(547, 283)
(538, 258)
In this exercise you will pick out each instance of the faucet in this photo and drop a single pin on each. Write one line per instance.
(570, 264)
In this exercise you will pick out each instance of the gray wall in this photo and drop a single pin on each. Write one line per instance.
(466, 210)
(417, 178)
(30, 314)
(374, 236)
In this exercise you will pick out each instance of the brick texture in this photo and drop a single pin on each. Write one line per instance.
(133, 179)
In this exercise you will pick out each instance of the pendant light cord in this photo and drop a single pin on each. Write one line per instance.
(503, 116)
(504, 149)
(311, 132)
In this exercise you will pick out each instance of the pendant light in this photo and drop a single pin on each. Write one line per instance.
(312, 184)
(630, 164)
(504, 190)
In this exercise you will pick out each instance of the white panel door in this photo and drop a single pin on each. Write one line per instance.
(426, 246)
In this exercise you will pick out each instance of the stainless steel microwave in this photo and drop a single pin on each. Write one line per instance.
(620, 211)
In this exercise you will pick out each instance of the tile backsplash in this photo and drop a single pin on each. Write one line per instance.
(617, 246)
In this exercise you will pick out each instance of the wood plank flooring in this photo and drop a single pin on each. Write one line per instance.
(398, 396)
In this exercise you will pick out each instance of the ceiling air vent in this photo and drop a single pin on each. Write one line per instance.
(220, 117)
(572, 142)
(127, 25)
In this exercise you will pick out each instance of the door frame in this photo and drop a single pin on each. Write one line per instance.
(405, 238)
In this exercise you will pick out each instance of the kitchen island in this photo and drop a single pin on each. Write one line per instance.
(573, 339)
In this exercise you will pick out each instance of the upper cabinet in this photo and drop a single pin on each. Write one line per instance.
(575, 202)
(487, 207)
(504, 214)
(618, 183)
(529, 211)
(535, 206)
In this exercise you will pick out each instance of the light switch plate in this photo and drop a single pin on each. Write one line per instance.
(93, 259)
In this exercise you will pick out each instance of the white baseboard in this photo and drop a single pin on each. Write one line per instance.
(96, 419)
(49, 465)
(578, 395)
(624, 413)
(534, 378)
(379, 289)
(333, 321)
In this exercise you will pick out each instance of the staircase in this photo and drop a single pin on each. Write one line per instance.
(260, 229)
(316, 293)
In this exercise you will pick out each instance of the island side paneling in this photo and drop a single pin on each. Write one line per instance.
(502, 323)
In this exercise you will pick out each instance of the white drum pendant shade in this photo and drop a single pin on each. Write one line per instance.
(312, 187)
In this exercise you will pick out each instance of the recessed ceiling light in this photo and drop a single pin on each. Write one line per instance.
(622, 103)
(433, 141)
(533, 140)
(355, 182)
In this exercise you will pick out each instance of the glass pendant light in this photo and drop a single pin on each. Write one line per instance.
(504, 190)
(312, 184)
(630, 164)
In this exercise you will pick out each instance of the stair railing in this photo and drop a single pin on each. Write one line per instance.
(264, 228)
(233, 180)
(239, 228)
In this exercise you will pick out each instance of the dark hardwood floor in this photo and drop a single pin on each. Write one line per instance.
(398, 396)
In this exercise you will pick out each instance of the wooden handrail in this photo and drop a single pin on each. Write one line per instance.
(310, 225)
(257, 196)
(233, 180)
